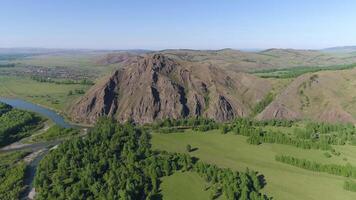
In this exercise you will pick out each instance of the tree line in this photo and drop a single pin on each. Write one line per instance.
(340, 170)
(42, 79)
(315, 135)
(178, 125)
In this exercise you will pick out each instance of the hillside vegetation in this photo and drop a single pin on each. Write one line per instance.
(322, 96)
(243, 144)
(116, 161)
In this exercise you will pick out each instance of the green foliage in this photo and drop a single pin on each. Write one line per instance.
(350, 185)
(188, 148)
(315, 135)
(340, 170)
(257, 136)
(261, 105)
(12, 173)
(56, 132)
(327, 154)
(297, 71)
(42, 79)
(16, 124)
(4, 108)
(234, 185)
(116, 162)
(195, 123)
(225, 128)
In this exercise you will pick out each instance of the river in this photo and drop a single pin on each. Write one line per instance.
(24, 105)
(43, 146)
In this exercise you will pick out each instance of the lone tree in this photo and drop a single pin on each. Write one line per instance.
(188, 148)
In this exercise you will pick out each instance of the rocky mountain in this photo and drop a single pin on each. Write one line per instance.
(157, 86)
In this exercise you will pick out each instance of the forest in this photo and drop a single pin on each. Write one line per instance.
(12, 173)
(115, 161)
(16, 124)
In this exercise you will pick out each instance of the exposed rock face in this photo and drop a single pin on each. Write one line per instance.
(157, 87)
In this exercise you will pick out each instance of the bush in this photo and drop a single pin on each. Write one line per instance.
(188, 148)
(350, 185)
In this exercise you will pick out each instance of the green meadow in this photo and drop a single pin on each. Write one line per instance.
(184, 185)
(232, 151)
(51, 95)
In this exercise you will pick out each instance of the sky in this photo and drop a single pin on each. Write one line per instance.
(172, 24)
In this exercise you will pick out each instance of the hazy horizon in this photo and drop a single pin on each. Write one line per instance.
(157, 24)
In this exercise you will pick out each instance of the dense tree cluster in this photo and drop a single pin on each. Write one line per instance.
(234, 185)
(256, 135)
(116, 162)
(195, 123)
(340, 170)
(281, 138)
(247, 122)
(12, 173)
(15, 124)
(4, 108)
(323, 127)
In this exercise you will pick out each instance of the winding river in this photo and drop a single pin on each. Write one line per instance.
(43, 146)
(24, 105)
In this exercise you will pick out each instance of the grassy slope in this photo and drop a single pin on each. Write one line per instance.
(283, 181)
(41, 93)
(184, 185)
(329, 96)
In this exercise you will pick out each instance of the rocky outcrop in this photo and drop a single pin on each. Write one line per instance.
(157, 87)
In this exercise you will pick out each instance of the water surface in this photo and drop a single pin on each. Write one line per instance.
(25, 105)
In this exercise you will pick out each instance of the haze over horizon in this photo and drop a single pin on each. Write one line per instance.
(158, 24)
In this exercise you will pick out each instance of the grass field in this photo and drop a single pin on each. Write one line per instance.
(184, 185)
(283, 181)
(50, 95)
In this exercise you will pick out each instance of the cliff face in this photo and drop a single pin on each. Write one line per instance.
(157, 87)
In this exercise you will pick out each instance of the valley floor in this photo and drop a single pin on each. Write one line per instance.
(283, 181)
(50, 95)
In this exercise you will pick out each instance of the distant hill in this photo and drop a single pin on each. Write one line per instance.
(242, 61)
(344, 49)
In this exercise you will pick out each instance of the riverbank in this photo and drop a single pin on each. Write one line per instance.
(37, 150)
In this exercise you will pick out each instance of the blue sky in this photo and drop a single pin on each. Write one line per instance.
(161, 24)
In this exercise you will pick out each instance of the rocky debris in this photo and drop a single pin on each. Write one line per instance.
(156, 86)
